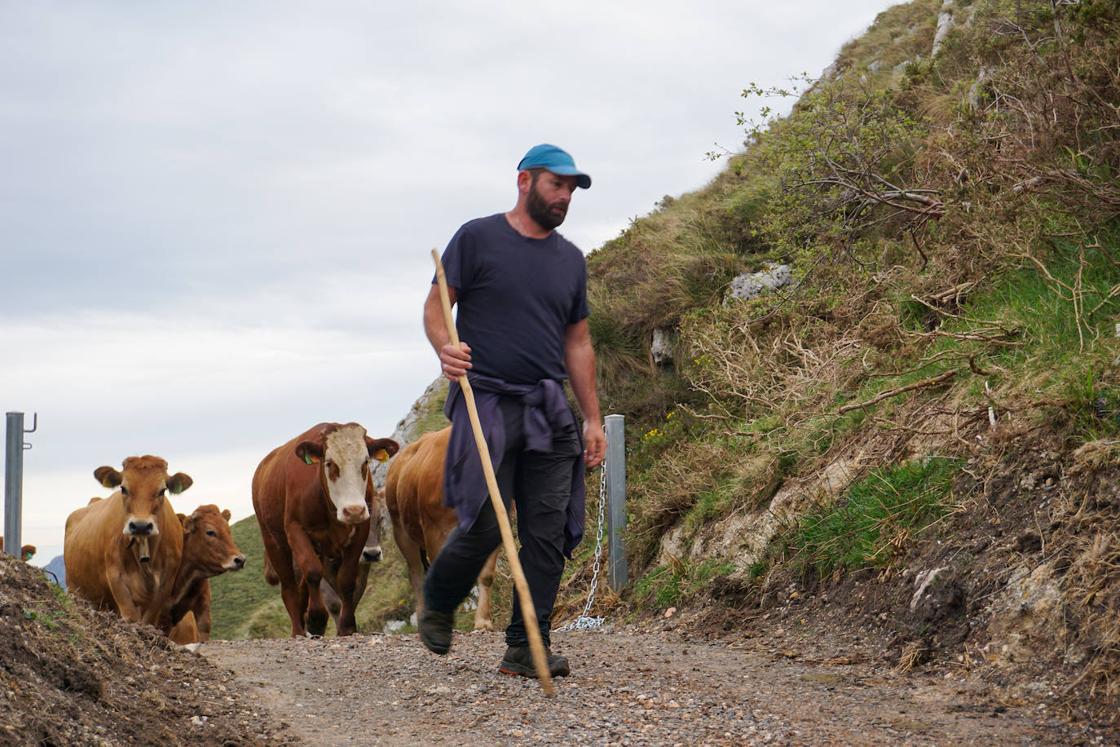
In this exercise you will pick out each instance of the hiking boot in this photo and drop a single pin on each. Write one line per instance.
(519, 661)
(435, 630)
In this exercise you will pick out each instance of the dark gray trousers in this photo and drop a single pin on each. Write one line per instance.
(540, 485)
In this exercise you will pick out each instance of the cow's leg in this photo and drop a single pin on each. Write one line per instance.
(310, 575)
(122, 597)
(411, 552)
(360, 582)
(331, 600)
(201, 609)
(482, 619)
(347, 581)
(279, 564)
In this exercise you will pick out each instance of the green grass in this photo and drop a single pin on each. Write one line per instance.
(878, 515)
(666, 586)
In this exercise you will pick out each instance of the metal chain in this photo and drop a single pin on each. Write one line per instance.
(583, 622)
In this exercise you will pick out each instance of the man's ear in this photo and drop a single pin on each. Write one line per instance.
(524, 182)
(381, 448)
(179, 482)
(310, 452)
(107, 476)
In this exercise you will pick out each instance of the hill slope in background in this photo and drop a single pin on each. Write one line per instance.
(917, 436)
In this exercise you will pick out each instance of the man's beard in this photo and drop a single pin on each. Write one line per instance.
(540, 211)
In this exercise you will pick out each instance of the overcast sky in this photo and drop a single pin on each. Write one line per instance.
(215, 218)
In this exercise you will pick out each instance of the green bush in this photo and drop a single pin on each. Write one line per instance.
(876, 517)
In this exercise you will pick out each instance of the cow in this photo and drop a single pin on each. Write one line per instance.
(371, 553)
(27, 552)
(208, 551)
(421, 521)
(122, 553)
(313, 498)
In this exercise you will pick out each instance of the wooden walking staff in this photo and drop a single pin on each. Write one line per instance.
(528, 611)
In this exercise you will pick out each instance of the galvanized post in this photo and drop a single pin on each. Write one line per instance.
(616, 500)
(13, 482)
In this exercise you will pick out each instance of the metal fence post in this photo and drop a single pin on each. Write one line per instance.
(616, 500)
(13, 482)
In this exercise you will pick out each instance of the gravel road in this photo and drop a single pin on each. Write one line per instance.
(626, 688)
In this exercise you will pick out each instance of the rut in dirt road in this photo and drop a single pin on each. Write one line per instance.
(625, 688)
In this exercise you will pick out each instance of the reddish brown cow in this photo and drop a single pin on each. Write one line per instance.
(421, 523)
(313, 498)
(208, 551)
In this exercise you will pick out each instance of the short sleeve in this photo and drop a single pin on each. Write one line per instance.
(458, 261)
(580, 310)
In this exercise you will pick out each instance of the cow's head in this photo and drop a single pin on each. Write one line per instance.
(371, 552)
(27, 551)
(208, 545)
(342, 454)
(143, 484)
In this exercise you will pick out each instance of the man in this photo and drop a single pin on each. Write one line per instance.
(521, 288)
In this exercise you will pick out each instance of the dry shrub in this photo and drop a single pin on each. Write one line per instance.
(1090, 539)
(667, 490)
(788, 367)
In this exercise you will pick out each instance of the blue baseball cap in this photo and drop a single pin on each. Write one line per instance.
(556, 160)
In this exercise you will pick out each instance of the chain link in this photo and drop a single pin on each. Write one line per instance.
(584, 622)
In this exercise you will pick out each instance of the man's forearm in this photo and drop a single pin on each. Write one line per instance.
(435, 326)
(580, 362)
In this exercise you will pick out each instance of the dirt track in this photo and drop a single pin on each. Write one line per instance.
(625, 688)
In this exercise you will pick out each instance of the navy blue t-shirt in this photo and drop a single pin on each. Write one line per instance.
(516, 298)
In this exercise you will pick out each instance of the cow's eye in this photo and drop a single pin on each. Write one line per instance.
(211, 533)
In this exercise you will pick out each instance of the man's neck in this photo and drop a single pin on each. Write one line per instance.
(520, 221)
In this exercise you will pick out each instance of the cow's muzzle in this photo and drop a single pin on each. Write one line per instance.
(141, 528)
(371, 554)
(354, 514)
(236, 564)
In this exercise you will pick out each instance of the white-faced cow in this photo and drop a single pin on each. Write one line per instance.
(313, 498)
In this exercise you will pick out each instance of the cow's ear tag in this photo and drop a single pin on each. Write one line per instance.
(381, 455)
(307, 458)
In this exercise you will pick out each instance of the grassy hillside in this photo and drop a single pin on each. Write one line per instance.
(942, 372)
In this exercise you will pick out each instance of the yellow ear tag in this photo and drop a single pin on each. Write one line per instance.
(381, 455)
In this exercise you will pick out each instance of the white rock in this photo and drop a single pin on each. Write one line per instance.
(753, 284)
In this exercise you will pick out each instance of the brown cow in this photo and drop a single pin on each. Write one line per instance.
(313, 498)
(27, 552)
(421, 523)
(208, 551)
(122, 552)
